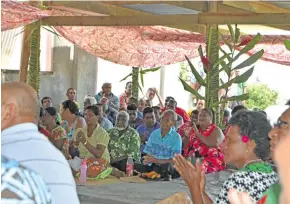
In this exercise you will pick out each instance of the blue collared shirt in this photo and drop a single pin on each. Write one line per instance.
(112, 99)
(143, 130)
(106, 124)
(163, 147)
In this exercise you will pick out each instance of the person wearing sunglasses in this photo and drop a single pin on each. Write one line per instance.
(279, 133)
(246, 147)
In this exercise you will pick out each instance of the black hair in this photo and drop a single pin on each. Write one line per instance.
(73, 108)
(169, 98)
(147, 110)
(53, 112)
(172, 101)
(129, 82)
(238, 108)
(156, 107)
(132, 107)
(94, 108)
(226, 113)
(195, 112)
(288, 103)
(69, 90)
(256, 126)
(44, 98)
(41, 112)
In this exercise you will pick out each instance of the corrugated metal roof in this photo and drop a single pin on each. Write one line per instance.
(160, 9)
(281, 4)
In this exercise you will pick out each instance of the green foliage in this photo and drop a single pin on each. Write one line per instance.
(34, 59)
(137, 77)
(287, 44)
(183, 71)
(214, 65)
(261, 96)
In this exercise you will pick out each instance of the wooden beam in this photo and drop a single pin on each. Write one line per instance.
(256, 6)
(244, 18)
(202, 18)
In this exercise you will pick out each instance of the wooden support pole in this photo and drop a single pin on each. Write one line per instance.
(25, 53)
(202, 18)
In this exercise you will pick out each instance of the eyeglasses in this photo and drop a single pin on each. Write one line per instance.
(280, 123)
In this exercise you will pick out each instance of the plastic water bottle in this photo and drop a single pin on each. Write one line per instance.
(129, 167)
(83, 176)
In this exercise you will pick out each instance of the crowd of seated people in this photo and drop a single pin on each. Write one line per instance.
(159, 137)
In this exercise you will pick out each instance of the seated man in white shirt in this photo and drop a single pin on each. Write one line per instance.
(22, 142)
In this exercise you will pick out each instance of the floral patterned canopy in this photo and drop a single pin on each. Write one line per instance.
(136, 46)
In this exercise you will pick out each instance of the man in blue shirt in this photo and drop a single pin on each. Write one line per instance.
(107, 93)
(161, 147)
(147, 127)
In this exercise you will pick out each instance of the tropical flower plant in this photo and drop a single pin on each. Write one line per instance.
(225, 63)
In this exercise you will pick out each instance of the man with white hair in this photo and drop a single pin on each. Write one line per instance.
(21, 141)
(160, 148)
(124, 143)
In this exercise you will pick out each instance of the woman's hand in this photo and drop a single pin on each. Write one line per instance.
(236, 197)
(192, 175)
(81, 137)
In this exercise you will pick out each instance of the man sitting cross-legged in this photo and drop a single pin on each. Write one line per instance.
(161, 147)
(124, 143)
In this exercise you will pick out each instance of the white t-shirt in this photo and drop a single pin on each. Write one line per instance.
(32, 149)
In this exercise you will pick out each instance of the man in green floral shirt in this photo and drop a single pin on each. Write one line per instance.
(124, 143)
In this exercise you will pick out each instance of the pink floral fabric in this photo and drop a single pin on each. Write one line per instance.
(137, 46)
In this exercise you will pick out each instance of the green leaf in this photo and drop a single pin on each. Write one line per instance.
(287, 44)
(218, 62)
(142, 78)
(226, 42)
(239, 79)
(52, 31)
(237, 34)
(226, 68)
(251, 60)
(231, 32)
(191, 90)
(236, 98)
(126, 77)
(244, 77)
(249, 46)
(199, 79)
(140, 88)
(150, 70)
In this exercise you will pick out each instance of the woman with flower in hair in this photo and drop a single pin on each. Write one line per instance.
(246, 147)
(203, 140)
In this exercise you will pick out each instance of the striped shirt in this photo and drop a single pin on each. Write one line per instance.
(26, 145)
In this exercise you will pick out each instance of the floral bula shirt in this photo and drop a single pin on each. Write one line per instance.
(124, 143)
(254, 183)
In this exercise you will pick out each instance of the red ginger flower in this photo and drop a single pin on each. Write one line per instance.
(245, 42)
(206, 62)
